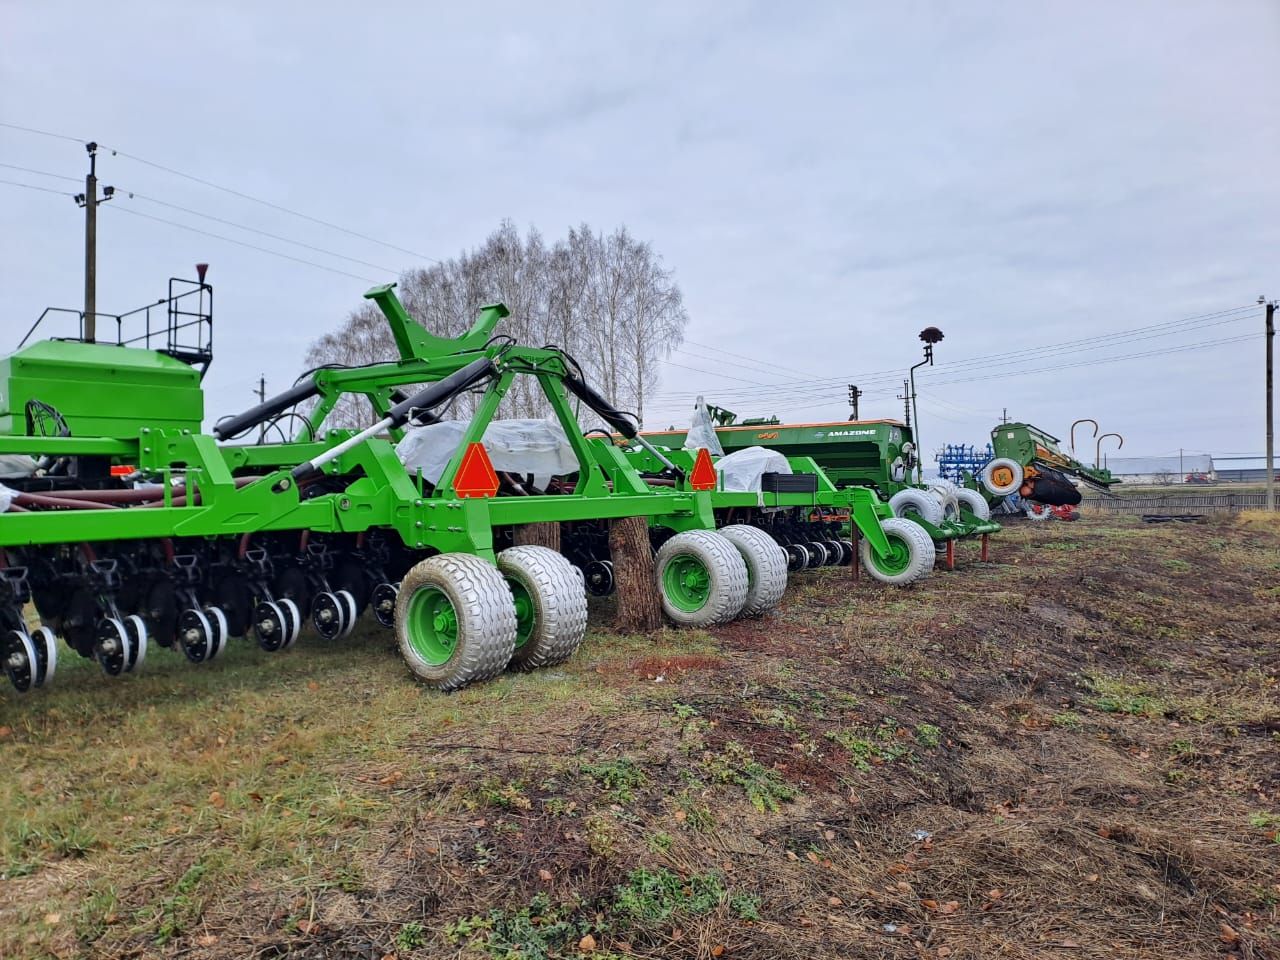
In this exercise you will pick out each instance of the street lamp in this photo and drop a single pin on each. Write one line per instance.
(930, 336)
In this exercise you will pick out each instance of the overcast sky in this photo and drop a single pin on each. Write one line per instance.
(826, 179)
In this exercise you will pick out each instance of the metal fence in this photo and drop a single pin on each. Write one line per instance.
(1179, 503)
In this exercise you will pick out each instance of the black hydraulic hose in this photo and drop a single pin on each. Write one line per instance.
(431, 396)
(230, 427)
(606, 411)
(442, 390)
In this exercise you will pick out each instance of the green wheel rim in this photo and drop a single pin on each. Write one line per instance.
(687, 583)
(526, 612)
(896, 561)
(433, 625)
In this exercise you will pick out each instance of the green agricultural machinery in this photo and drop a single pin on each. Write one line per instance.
(1029, 462)
(125, 527)
(875, 456)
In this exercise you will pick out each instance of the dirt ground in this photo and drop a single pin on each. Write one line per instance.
(1073, 751)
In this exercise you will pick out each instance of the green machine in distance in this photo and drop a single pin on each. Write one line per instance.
(876, 455)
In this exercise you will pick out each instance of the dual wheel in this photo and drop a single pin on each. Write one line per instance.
(910, 556)
(709, 577)
(30, 658)
(459, 619)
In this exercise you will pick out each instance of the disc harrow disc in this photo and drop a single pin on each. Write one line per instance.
(598, 575)
(114, 649)
(270, 627)
(383, 602)
(221, 631)
(195, 635)
(20, 663)
(45, 643)
(136, 627)
(293, 618)
(350, 614)
(328, 614)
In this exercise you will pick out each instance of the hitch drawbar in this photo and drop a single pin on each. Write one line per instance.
(397, 416)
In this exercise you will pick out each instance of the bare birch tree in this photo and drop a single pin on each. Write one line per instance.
(608, 300)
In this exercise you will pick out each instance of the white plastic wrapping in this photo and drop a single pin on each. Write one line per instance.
(539, 447)
(702, 432)
(6, 497)
(742, 470)
(15, 465)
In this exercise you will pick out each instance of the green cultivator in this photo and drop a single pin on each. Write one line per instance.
(126, 527)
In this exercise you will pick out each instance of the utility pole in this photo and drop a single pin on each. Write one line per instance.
(262, 398)
(1004, 414)
(1271, 463)
(854, 394)
(89, 200)
(905, 397)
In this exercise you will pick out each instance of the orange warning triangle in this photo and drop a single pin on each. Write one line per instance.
(476, 476)
(703, 476)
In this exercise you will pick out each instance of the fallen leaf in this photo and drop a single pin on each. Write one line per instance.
(53, 919)
(5, 731)
(942, 952)
(718, 950)
(812, 857)
(206, 940)
(587, 943)
(216, 800)
(312, 685)
(1092, 878)
(1227, 933)
(828, 834)
(904, 887)
(929, 904)
(545, 876)
(835, 901)
(951, 906)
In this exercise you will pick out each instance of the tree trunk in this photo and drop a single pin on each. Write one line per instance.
(639, 604)
(538, 535)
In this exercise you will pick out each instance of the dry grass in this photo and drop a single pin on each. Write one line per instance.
(1072, 752)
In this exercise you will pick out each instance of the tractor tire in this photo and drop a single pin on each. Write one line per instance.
(551, 605)
(702, 579)
(766, 567)
(911, 556)
(1002, 476)
(974, 502)
(923, 503)
(455, 620)
(945, 491)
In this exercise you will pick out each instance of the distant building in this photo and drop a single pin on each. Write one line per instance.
(1187, 468)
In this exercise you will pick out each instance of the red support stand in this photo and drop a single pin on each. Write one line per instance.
(951, 554)
(985, 557)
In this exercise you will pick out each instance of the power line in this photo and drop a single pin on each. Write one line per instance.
(1206, 344)
(241, 243)
(42, 173)
(262, 233)
(730, 353)
(1084, 344)
(32, 186)
(267, 203)
(43, 133)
